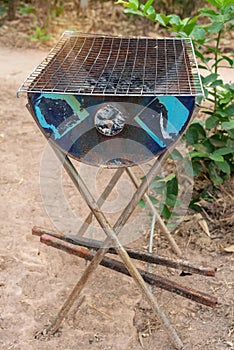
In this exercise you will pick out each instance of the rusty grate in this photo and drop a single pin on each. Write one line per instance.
(92, 64)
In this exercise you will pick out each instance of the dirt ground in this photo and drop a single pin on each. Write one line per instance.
(36, 279)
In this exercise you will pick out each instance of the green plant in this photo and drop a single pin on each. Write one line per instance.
(56, 8)
(3, 10)
(164, 193)
(210, 142)
(40, 34)
(26, 9)
(180, 7)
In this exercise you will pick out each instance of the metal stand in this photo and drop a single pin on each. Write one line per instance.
(112, 239)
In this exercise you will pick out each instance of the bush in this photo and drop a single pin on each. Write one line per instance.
(211, 142)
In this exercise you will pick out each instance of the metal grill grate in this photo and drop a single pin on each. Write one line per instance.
(93, 64)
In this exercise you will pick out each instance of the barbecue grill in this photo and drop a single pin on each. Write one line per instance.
(115, 101)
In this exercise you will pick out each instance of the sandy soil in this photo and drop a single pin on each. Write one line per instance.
(35, 279)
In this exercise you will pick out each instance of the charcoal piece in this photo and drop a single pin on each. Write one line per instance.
(109, 120)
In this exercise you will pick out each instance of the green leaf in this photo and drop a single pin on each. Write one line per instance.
(227, 2)
(218, 140)
(142, 204)
(215, 27)
(169, 177)
(147, 5)
(201, 148)
(174, 19)
(205, 147)
(224, 150)
(172, 186)
(27, 10)
(134, 4)
(230, 144)
(195, 133)
(188, 168)
(171, 226)
(221, 113)
(176, 155)
(197, 154)
(210, 78)
(194, 204)
(208, 146)
(166, 213)
(215, 3)
(208, 12)
(153, 199)
(196, 168)
(228, 59)
(212, 49)
(206, 92)
(158, 184)
(133, 12)
(230, 110)
(212, 122)
(190, 25)
(185, 21)
(231, 133)
(191, 135)
(224, 101)
(201, 66)
(38, 31)
(121, 2)
(166, 179)
(177, 203)
(216, 83)
(162, 19)
(228, 125)
(171, 200)
(224, 166)
(151, 14)
(160, 190)
(131, 4)
(200, 55)
(216, 157)
(214, 175)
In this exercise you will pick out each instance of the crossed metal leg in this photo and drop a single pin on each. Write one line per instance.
(112, 240)
(135, 182)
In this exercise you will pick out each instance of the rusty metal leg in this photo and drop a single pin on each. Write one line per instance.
(102, 199)
(151, 258)
(112, 238)
(110, 263)
(158, 217)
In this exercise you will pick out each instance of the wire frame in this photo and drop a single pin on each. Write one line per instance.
(96, 64)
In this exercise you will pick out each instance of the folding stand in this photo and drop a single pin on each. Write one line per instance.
(113, 241)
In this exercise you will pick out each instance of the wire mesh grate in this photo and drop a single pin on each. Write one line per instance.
(92, 64)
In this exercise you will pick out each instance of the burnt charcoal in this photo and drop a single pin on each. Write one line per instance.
(101, 87)
(91, 81)
(118, 82)
(110, 86)
(103, 80)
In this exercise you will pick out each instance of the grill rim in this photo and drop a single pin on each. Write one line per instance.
(195, 75)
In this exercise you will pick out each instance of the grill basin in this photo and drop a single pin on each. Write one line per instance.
(88, 83)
